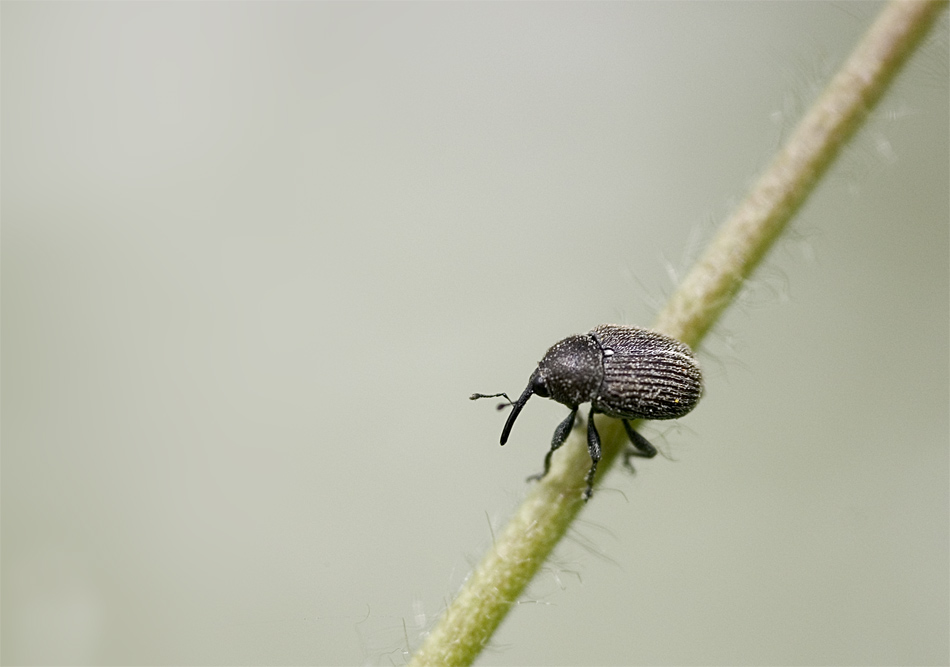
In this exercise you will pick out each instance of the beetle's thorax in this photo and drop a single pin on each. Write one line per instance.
(573, 370)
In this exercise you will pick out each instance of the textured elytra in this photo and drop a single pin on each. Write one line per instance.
(646, 375)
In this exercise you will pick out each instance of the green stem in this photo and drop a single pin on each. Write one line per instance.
(743, 240)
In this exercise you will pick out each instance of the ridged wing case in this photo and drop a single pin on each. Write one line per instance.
(646, 374)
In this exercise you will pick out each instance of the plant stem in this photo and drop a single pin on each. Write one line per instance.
(742, 242)
(753, 227)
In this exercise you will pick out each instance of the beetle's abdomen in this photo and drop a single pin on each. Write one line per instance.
(646, 374)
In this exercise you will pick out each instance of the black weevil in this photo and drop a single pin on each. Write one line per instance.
(625, 372)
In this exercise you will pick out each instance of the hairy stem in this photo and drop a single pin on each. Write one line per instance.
(741, 243)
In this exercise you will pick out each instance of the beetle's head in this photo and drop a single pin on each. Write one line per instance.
(570, 373)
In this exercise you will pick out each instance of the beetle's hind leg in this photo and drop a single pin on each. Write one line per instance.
(593, 447)
(560, 435)
(640, 447)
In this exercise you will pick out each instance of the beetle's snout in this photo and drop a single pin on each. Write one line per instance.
(518, 405)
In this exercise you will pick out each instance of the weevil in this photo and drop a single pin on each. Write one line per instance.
(624, 372)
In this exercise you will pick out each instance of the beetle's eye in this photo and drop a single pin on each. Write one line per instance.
(539, 387)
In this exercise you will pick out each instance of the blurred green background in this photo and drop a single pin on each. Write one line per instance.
(255, 257)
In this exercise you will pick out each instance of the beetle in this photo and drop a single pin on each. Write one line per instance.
(624, 372)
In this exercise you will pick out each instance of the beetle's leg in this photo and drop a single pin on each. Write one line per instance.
(593, 446)
(560, 435)
(641, 447)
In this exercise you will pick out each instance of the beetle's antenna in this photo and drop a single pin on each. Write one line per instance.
(516, 408)
(475, 397)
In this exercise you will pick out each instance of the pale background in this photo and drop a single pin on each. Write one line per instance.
(257, 256)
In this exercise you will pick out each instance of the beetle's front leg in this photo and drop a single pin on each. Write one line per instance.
(593, 447)
(641, 447)
(560, 435)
